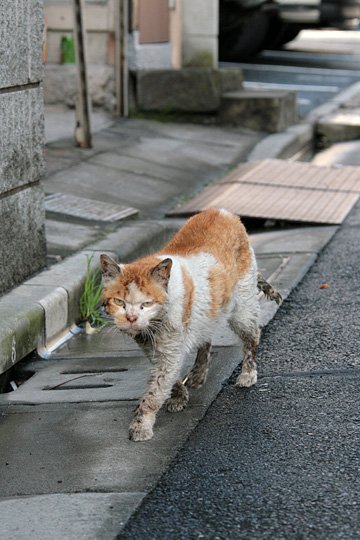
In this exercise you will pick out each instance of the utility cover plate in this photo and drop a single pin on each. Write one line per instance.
(282, 190)
(86, 209)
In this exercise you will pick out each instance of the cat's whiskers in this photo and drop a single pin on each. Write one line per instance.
(111, 330)
(150, 334)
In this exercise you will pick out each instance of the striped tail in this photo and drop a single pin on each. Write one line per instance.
(269, 292)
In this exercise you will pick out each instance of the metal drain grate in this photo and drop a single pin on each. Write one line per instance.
(86, 209)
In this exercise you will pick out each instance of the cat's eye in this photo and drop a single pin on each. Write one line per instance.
(119, 302)
(147, 304)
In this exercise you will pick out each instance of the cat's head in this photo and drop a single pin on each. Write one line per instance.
(135, 295)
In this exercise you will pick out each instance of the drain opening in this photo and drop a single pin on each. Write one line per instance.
(17, 375)
(77, 387)
(93, 370)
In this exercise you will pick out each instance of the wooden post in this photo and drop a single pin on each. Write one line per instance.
(83, 128)
(121, 65)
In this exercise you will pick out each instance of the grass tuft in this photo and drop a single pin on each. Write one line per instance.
(90, 308)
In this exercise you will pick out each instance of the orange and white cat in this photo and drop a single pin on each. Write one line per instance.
(173, 301)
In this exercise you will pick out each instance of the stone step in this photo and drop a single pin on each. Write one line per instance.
(261, 110)
(189, 90)
(340, 126)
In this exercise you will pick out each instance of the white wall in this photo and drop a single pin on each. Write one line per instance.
(200, 32)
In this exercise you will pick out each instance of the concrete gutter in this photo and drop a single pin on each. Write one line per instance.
(43, 309)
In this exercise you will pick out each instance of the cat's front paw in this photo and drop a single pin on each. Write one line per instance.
(140, 430)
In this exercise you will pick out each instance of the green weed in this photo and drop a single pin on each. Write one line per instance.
(90, 310)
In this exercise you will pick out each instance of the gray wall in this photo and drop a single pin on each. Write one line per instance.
(22, 237)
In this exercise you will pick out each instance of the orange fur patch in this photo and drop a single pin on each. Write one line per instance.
(220, 290)
(220, 234)
(137, 272)
(189, 289)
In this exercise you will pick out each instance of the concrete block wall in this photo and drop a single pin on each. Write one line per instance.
(22, 238)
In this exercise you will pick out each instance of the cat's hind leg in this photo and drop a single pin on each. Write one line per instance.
(198, 374)
(244, 322)
(248, 375)
(179, 397)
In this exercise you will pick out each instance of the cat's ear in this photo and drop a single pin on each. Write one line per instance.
(111, 270)
(161, 272)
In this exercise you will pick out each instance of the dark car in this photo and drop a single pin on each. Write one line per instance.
(248, 26)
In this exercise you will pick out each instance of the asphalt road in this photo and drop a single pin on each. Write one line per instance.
(280, 460)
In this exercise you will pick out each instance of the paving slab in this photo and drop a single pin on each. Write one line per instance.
(109, 341)
(60, 242)
(294, 240)
(196, 155)
(82, 447)
(74, 516)
(140, 167)
(238, 138)
(60, 122)
(142, 192)
(148, 165)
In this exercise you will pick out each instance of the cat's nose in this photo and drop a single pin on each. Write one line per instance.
(131, 318)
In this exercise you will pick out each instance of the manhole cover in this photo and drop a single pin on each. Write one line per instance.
(86, 209)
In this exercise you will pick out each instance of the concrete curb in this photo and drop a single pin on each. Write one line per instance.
(44, 308)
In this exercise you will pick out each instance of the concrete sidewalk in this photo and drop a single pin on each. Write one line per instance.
(68, 469)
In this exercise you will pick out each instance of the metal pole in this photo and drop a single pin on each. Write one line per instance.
(83, 128)
(121, 65)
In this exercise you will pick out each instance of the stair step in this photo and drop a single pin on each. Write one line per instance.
(343, 125)
(261, 110)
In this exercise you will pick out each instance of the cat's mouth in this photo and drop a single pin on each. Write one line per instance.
(133, 329)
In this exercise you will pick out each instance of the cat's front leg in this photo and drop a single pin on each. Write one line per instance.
(168, 363)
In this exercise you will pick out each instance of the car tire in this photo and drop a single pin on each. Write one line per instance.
(280, 33)
(241, 35)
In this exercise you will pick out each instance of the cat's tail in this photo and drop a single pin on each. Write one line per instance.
(269, 292)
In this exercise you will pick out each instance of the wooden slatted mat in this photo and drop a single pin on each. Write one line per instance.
(282, 190)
